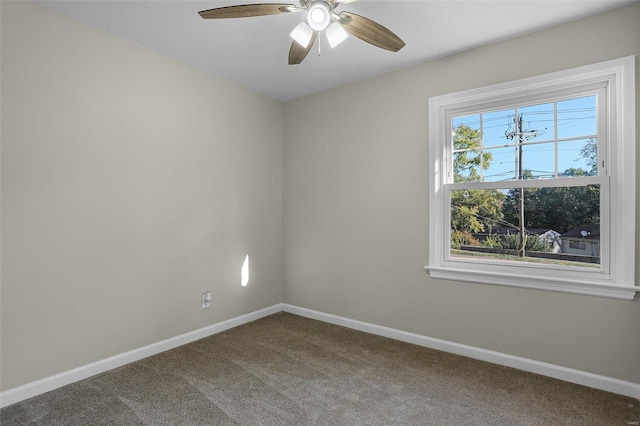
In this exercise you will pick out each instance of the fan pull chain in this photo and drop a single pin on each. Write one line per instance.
(319, 44)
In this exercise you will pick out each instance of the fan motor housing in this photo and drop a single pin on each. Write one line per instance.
(319, 15)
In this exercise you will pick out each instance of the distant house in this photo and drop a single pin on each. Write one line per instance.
(548, 235)
(584, 240)
(553, 238)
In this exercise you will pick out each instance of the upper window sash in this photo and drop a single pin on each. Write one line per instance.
(597, 90)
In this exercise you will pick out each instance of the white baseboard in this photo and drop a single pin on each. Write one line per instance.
(584, 378)
(47, 384)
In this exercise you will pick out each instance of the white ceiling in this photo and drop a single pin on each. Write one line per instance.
(253, 51)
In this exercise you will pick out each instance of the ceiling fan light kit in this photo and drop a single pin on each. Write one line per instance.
(302, 34)
(335, 34)
(321, 16)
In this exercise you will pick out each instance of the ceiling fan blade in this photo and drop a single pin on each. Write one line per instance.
(247, 10)
(370, 31)
(297, 53)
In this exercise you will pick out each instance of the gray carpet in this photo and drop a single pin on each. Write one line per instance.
(290, 370)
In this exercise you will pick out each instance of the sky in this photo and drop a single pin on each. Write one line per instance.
(576, 125)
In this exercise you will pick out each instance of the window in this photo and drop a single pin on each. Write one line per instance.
(578, 245)
(532, 182)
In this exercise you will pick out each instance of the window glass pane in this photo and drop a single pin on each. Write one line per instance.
(561, 225)
(466, 148)
(471, 121)
(494, 126)
(537, 122)
(466, 166)
(500, 164)
(538, 161)
(578, 158)
(476, 210)
(577, 117)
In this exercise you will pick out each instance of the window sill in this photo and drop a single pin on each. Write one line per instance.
(541, 283)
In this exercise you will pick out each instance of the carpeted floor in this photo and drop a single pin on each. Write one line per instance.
(289, 370)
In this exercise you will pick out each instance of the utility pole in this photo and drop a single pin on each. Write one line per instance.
(523, 240)
(520, 135)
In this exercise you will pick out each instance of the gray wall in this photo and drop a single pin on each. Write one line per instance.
(131, 183)
(356, 209)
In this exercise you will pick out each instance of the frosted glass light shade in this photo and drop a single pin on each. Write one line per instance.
(319, 16)
(302, 34)
(336, 34)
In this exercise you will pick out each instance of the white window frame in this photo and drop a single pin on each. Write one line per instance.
(616, 277)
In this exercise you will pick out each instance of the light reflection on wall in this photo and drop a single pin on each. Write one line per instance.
(244, 272)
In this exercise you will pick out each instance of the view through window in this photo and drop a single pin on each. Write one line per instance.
(552, 215)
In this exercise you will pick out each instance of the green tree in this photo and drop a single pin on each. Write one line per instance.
(557, 208)
(476, 210)
(472, 211)
(563, 208)
(575, 172)
(590, 153)
(467, 158)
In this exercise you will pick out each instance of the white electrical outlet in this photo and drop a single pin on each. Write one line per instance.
(206, 300)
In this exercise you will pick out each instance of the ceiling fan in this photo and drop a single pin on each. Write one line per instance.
(321, 16)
